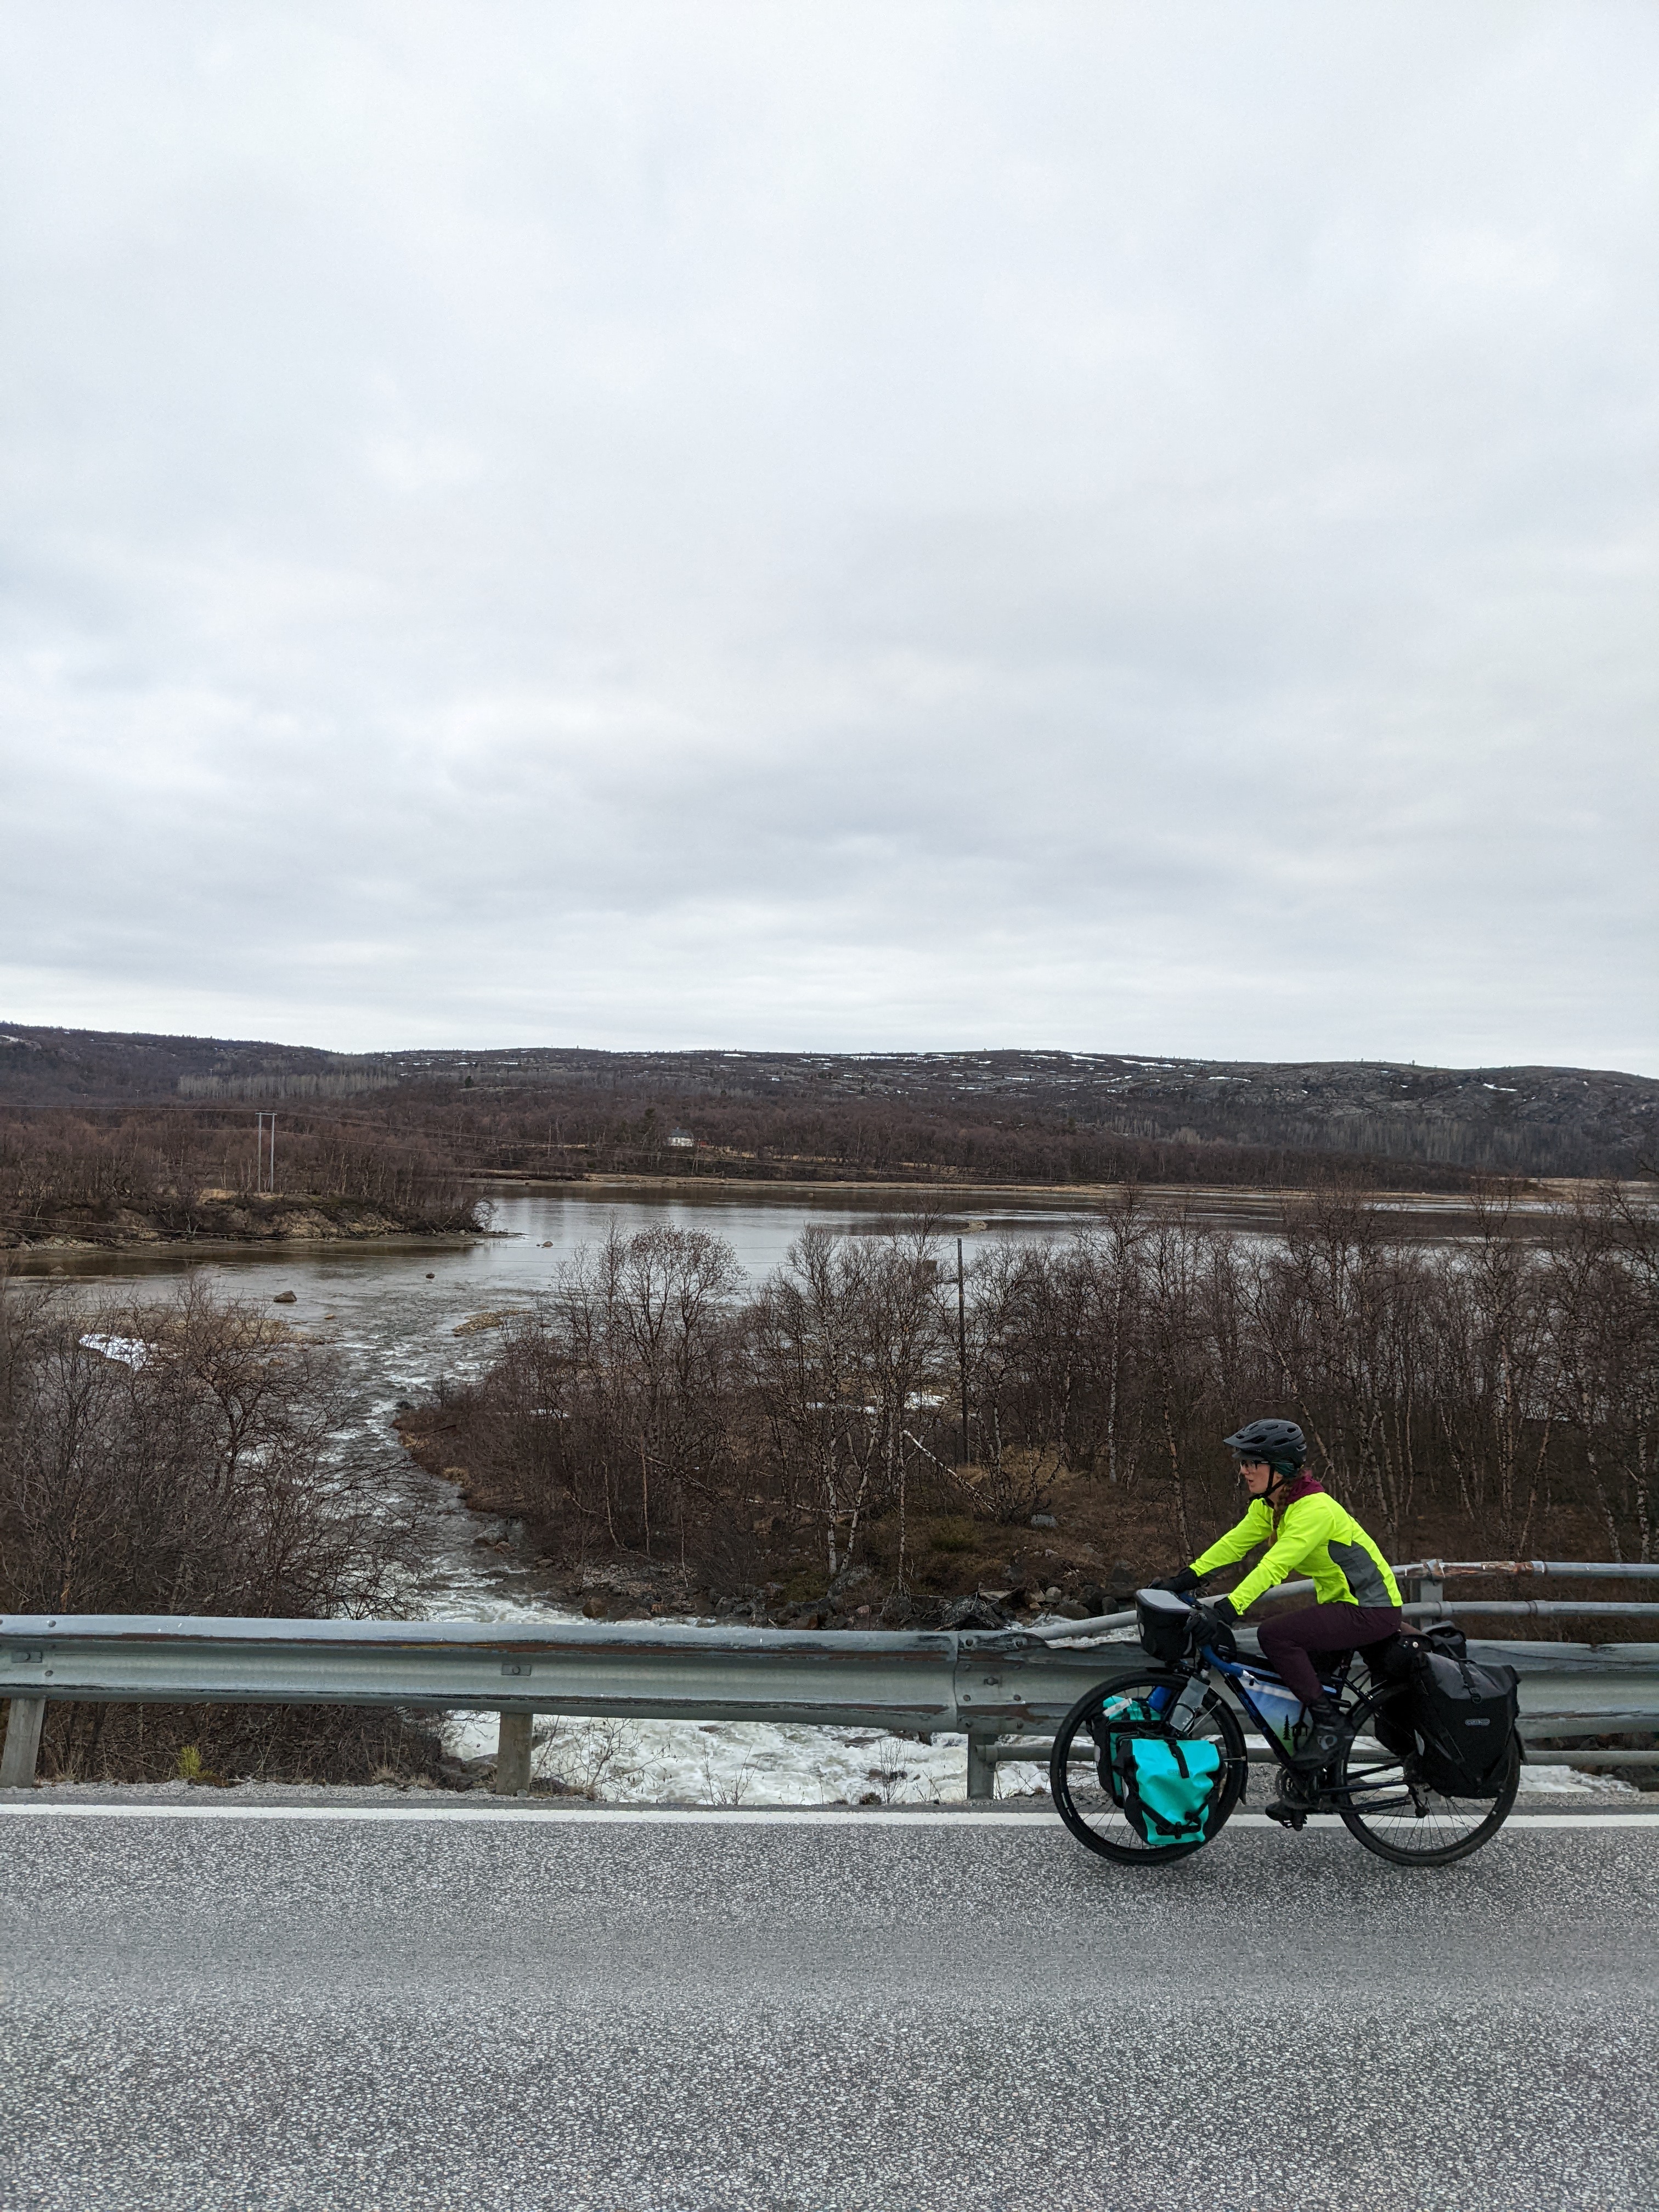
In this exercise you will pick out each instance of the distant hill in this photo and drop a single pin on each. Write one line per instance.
(1511, 1121)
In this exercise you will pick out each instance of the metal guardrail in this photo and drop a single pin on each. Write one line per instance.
(1425, 1581)
(1605, 1570)
(986, 1685)
(920, 1683)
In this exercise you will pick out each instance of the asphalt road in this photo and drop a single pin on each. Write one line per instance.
(443, 2014)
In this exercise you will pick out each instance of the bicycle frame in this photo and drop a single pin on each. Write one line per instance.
(1225, 1674)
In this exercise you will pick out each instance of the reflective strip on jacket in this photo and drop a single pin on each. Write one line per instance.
(1316, 1537)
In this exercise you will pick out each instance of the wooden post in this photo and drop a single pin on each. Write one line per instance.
(23, 1743)
(512, 1754)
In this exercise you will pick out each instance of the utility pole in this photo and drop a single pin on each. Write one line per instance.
(265, 1140)
(962, 1351)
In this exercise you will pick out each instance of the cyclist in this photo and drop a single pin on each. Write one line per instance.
(1357, 1600)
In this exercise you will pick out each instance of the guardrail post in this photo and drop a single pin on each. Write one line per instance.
(23, 1743)
(1426, 1589)
(512, 1754)
(981, 1771)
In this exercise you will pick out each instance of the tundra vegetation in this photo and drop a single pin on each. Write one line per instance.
(802, 1449)
(983, 1116)
(184, 1458)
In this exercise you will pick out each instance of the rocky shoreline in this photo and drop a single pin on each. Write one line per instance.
(228, 1221)
(860, 1599)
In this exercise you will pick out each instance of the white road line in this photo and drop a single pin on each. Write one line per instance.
(693, 1816)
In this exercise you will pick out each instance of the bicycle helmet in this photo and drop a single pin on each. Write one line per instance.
(1281, 1444)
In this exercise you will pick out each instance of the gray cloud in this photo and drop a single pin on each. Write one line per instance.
(1114, 527)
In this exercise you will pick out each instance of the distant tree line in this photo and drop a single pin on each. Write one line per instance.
(923, 1132)
(881, 1139)
(418, 1149)
(853, 1112)
(584, 1130)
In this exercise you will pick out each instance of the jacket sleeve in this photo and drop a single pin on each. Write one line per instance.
(1301, 1533)
(1248, 1532)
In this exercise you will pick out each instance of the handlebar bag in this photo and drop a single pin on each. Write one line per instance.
(1163, 1623)
(1167, 1786)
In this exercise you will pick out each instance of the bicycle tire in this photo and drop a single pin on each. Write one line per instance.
(1090, 1813)
(1409, 1829)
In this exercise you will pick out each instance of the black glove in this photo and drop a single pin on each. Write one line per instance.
(1212, 1625)
(1180, 1582)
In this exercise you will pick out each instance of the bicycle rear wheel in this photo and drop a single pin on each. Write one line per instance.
(1386, 1805)
(1083, 1794)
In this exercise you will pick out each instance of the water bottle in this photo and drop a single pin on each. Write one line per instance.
(1183, 1714)
(1279, 1709)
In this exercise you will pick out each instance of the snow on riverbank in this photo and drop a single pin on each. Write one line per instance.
(647, 1762)
(643, 1762)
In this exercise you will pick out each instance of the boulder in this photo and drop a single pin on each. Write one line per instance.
(970, 1613)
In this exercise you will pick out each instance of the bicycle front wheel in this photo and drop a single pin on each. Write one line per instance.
(1080, 1778)
(1386, 1805)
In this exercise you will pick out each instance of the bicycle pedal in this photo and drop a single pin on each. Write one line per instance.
(1288, 1816)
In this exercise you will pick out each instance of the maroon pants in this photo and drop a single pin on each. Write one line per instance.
(1286, 1642)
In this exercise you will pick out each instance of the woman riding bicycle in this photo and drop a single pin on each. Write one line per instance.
(1356, 1598)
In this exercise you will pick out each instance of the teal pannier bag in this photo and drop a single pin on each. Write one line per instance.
(1167, 1786)
(1108, 1737)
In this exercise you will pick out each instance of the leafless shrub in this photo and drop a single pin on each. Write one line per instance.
(185, 1467)
(61, 1168)
(1487, 1385)
(180, 1459)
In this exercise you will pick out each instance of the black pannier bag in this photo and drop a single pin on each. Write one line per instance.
(1165, 1625)
(1397, 1660)
(1411, 1644)
(1462, 1712)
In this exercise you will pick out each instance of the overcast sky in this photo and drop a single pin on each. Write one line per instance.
(854, 526)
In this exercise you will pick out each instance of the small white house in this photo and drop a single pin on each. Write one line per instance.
(682, 1139)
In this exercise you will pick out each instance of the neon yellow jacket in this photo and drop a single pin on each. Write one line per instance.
(1315, 1534)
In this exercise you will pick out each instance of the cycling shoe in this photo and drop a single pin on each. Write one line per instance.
(1297, 1795)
